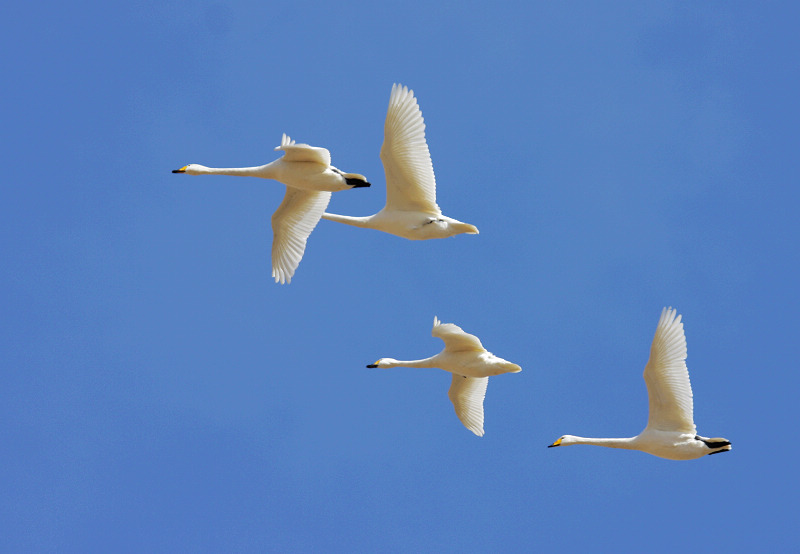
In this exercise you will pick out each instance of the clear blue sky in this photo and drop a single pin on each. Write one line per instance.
(161, 394)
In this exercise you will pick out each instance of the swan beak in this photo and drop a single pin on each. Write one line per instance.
(372, 366)
(181, 170)
(557, 443)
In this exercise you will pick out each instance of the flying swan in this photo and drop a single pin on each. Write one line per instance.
(670, 431)
(411, 211)
(309, 178)
(471, 365)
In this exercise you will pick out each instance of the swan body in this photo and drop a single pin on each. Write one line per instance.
(670, 431)
(471, 365)
(309, 178)
(411, 211)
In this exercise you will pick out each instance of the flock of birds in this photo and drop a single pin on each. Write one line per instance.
(411, 212)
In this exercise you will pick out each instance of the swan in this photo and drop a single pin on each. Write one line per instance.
(670, 431)
(411, 211)
(471, 365)
(309, 178)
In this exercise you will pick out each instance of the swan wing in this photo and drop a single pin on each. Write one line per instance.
(292, 223)
(410, 184)
(467, 394)
(303, 152)
(455, 339)
(667, 378)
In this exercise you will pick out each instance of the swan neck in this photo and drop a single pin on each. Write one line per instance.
(412, 363)
(348, 220)
(259, 171)
(626, 443)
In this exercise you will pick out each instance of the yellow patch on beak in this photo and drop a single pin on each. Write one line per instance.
(557, 443)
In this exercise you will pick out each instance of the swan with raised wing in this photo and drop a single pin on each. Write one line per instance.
(411, 211)
(670, 431)
(309, 178)
(471, 365)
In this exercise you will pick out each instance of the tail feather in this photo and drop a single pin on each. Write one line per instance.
(467, 228)
(355, 180)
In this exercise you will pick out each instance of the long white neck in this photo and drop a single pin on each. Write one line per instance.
(427, 362)
(627, 443)
(349, 220)
(259, 171)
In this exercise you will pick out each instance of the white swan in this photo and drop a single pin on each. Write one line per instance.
(309, 178)
(471, 365)
(670, 431)
(411, 210)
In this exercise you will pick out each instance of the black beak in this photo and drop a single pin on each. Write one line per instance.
(179, 171)
(372, 366)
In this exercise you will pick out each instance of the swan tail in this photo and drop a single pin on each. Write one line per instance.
(355, 180)
(466, 228)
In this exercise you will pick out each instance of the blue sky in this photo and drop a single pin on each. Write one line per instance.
(160, 393)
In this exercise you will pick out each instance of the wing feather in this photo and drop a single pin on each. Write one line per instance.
(303, 152)
(455, 339)
(467, 394)
(410, 183)
(292, 223)
(667, 378)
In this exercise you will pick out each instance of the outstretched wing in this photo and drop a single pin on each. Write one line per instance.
(410, 184)
(667, 378)
(467, 394)
(455, 339)
(303, 152)
(292, 223)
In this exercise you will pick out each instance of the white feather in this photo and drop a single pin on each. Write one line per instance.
(467, 394)
(292, 223)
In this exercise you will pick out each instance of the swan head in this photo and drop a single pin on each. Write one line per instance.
(191, 169)
(564, 440)
(383, 362)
